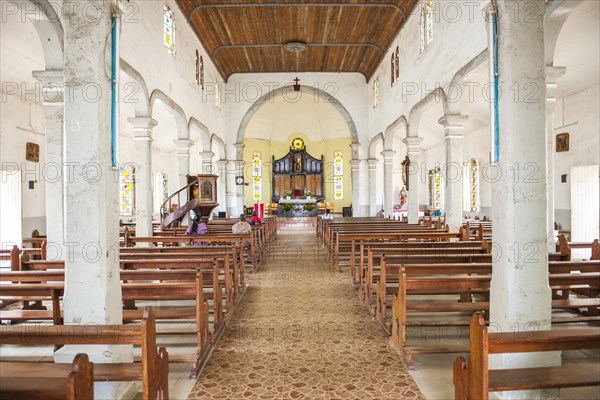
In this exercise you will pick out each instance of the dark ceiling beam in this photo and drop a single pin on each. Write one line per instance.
(243, 46)
(272, 5)
(297, 72)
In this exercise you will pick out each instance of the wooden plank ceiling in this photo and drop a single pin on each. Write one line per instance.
(341, 35)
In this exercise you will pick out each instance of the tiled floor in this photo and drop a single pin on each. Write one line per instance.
(301, 332)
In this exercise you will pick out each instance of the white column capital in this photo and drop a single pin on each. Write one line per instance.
(413, 144)
(222, 163)
(207, 155)
(53, 83)
(355, 164)
(372, 163)
(388, 156)
(183, 146)
(552, 76)
(453, 121)
(142, 127)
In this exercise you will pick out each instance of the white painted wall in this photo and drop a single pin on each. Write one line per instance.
(578, 115)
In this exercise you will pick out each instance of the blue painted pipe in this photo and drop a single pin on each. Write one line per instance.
(114, 123)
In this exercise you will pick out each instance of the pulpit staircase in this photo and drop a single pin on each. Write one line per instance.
(170, 217)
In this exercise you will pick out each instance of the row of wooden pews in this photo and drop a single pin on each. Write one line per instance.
(26, 380)
(421, 285)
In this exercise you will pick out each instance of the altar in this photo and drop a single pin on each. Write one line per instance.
(297, 207)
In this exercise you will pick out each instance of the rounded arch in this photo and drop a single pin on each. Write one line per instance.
(204, 133)
(306, 90)
(218, 143)
(378, 139)
(414, 118)
(141, 105)
(556, 16)
(394, 130)
(453, 100)
(175, 109)
(49, 28)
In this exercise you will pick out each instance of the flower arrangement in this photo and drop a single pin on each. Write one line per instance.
(309, 207)
(298, 192)
(288, 193)
(286, 207)
(309, 193)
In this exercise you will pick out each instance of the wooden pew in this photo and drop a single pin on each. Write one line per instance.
(475, 380)
(153, 371)
(183, 286)
(27, 381)
(564, 246)
(437, 288)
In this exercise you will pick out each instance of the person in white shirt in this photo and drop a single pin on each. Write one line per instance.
(327, 214)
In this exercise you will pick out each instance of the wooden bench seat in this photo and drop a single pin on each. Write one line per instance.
(27, 381)
(475, 380)
(153, 371)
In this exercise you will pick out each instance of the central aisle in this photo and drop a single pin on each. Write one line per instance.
(301, 332)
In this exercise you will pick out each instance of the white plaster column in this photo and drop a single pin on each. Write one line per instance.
(388, 181)
(453, 138)
(413, 145)
(240, 171)
(142, 133)
(363, 182)
(222, 185)
(52, 90)
(520, 295)
(373, 186)
(206, 160)
(183, 160)
(355, 177)
(552, 75)
(232, 189)
(92, 282)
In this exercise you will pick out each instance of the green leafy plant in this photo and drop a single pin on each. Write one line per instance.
(288, 193)
(309, 207)
(309, 193)
(286, 207)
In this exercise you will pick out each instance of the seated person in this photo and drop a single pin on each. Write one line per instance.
(254, 220)
(327, 214)
(242, 226)
(196, 228)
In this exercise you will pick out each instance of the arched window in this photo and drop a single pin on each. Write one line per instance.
(160, 190)
(376, 93)
(393, 70)
(201, 72)
(127, 190)
(436, 189)
(257, 176)
(218, 95)
(169, 29)
(471, 186)
(426, 28)
(338, 175)
(197, 68)
(397, 64)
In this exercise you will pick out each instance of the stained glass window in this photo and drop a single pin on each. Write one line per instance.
(436, 189)
(393, 69)
(169, 29)
(397, 64)
(338, 175)
(197, 68)
(257, 176)
(426, 23)
(160, 190)
(297, 144)
(201, 72)
(471, 186)
(127, 190)
(376, 93)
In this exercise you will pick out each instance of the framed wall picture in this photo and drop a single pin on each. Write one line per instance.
(32, 152)
(562, 142)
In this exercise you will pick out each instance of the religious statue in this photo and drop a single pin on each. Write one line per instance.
(196, 191)
(403, 197)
